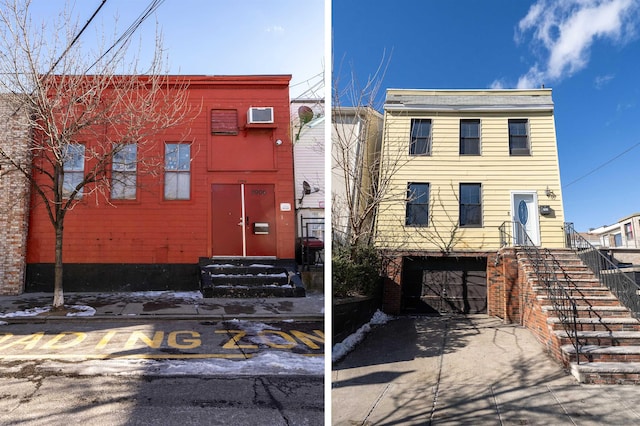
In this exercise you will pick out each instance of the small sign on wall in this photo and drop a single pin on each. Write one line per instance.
(285, 207)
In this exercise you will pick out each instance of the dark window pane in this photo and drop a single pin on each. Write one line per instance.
(470, 137)
(420, 137)
(470, 204)
(518, 137)
(417, 204)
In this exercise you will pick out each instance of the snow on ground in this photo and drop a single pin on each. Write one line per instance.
(340, 350)
(266, 363)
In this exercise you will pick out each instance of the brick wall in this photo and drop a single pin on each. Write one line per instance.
(392, 290)
(14, 198)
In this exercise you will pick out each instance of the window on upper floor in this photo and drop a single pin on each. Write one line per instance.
(519, 137)
(617, 240)
(469, 137)
(124, 169)
(224, 122)
(628, 231)
(73, 168)
(177, 171)
(470, 205)
(417, 213)
(420, 137)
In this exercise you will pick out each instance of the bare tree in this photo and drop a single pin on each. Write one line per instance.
(85, 113)
(360, 184)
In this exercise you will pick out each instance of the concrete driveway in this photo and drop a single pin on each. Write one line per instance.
(459, 370)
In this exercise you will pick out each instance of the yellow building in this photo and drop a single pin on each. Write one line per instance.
(458, 165)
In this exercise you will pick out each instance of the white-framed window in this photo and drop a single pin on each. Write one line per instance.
(124, 169)
(177, 171)
(73, 168)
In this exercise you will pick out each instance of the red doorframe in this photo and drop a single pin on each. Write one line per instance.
(243, 220)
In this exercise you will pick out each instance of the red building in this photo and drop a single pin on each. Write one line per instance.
(226, 189)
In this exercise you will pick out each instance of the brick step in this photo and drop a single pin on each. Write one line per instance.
(579, 291)
(602, 338)
(607, 373)
(599, 324)
(596, 353)
(586, 311)
(607, 300)
(573, 282)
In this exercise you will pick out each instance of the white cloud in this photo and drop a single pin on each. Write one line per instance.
(566, 31)
(275, 29)
(602, 80)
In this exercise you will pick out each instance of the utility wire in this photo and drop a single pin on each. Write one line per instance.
(601, 166)
(152, 7)
(75, 39)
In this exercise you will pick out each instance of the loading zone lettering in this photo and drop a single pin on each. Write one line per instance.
(180, 339)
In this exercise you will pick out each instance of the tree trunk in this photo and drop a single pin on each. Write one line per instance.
(58, 294)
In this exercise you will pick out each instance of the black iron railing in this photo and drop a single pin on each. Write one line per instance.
(550, 274)
(616, 279)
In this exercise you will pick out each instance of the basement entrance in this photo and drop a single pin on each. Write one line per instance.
(432, 285)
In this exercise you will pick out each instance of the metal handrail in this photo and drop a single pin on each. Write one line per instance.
(547, 270)
(608, 273)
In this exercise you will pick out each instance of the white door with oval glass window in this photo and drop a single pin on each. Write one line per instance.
(524, 211)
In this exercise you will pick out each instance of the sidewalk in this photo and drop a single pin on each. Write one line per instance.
(166, 305)
(466, 370)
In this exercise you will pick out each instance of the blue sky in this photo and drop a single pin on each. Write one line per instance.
(587, 51)
(215, 37)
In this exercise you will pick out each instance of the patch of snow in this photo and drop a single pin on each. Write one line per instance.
(280, 275)
(251, 326)
(4, 323)
(271, 362)
(81, 311)
(340, 350)
(31, 312)
(258, 265)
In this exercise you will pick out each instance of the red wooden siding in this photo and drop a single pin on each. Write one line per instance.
(150, 229)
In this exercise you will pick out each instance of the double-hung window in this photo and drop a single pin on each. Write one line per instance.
(417, 204)
(519, 137)
(73, 168)
(124, 169)
(470, 205)
(177, 171)
(420, 137)
(469, 137)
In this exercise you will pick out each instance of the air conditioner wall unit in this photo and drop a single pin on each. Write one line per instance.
(260, 115)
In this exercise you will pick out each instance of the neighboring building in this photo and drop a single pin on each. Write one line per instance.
(14, 196)
(465, 162)
(356, 137)
(225, 190)
(623, 234)
(307, 132)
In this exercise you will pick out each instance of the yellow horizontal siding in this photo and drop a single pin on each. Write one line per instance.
(497, 171)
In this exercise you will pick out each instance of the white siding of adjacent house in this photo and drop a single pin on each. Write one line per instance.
(309, 165)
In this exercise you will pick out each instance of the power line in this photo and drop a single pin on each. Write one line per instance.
(152, 7)
(75, 39)
(601, 165)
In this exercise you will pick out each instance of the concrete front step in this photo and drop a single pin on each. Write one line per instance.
(602, 338)
(607, 373)
(586, 311)
(599, 324)
(249, 277)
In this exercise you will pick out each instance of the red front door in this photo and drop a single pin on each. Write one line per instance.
(243, 219)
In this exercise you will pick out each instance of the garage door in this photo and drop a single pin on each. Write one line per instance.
(443, 285)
